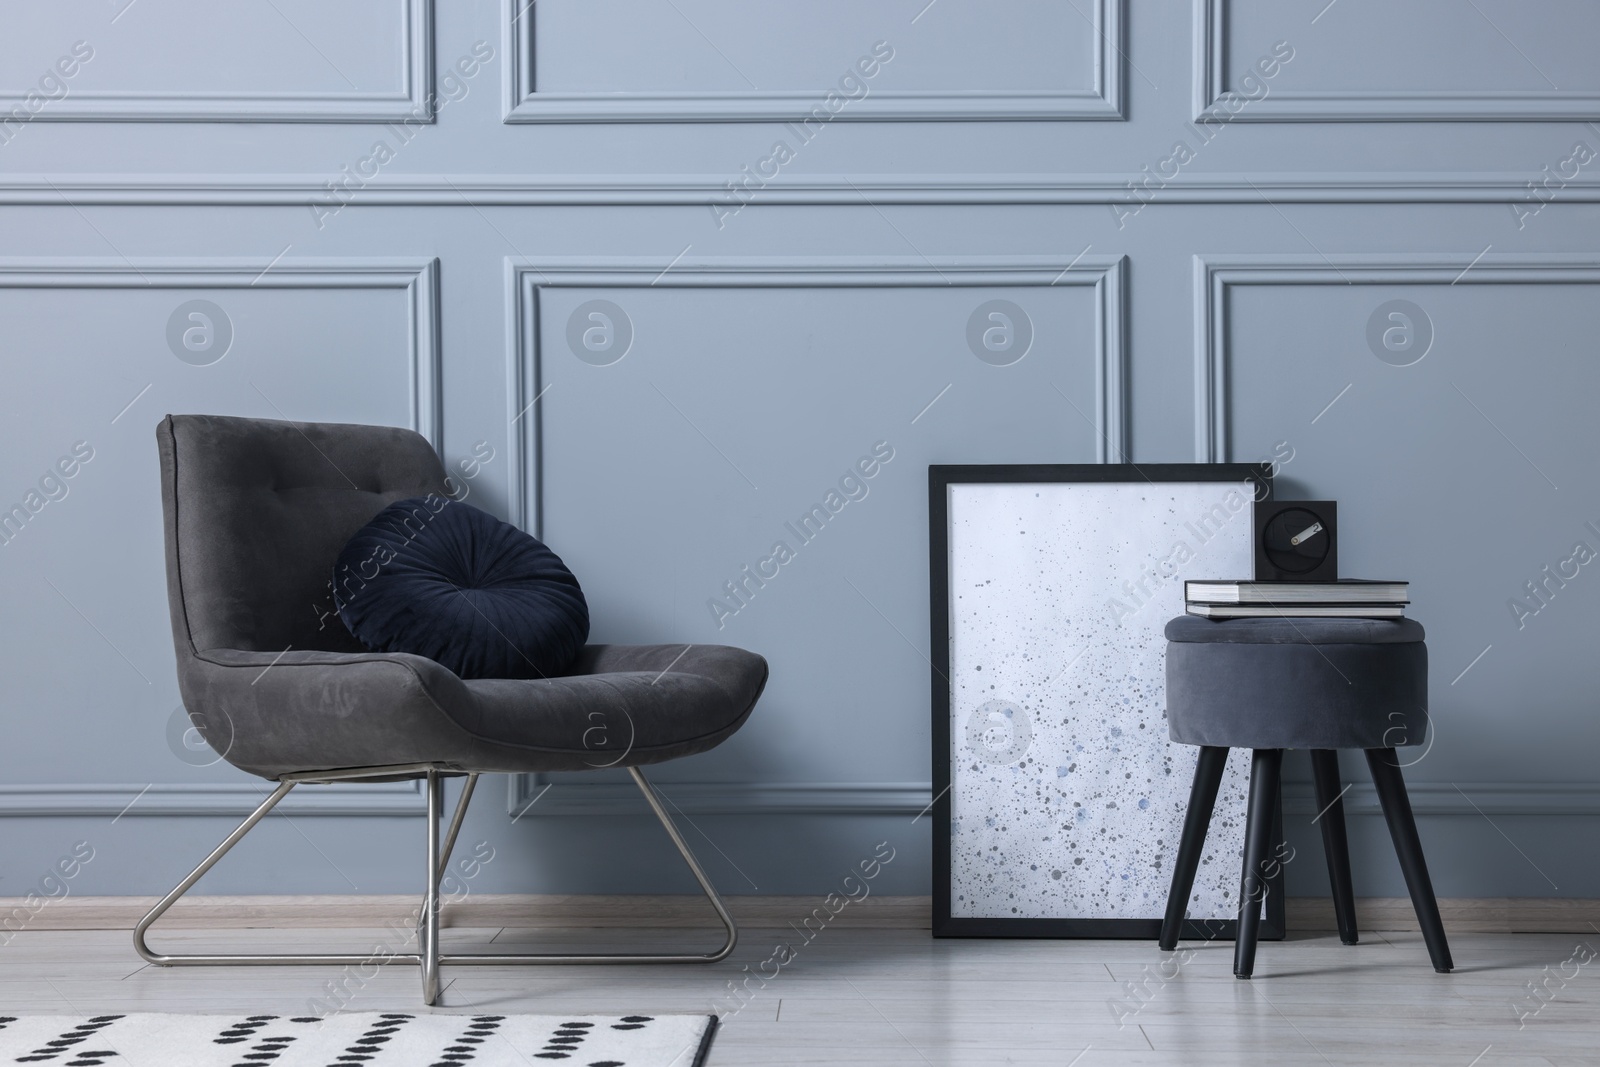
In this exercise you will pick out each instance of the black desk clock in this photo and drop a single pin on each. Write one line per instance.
(1297, 541)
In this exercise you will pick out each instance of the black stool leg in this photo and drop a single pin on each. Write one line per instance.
(1202, 799)
(1330, 815)
(1391, 787)
(1266, 767)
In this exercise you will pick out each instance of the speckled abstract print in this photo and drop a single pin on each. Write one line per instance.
(1067, 798)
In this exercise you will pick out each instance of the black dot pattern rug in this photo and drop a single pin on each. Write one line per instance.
(356, 1039)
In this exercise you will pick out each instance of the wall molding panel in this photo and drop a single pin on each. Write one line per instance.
(412, 103)
(1475, 799)
(231, 799)
(691, 190)
(1371, 105)
(418, 279)
(528, 795)
(524, 104)
(525, 278)
(1214, 274)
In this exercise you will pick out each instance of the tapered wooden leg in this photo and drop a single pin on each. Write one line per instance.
(1330, 816)
(1202, 799)
(1391, 787)
(1266, 768)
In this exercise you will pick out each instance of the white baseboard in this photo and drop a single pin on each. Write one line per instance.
(1305, 914)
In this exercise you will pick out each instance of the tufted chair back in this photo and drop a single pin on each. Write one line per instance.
(257, 510)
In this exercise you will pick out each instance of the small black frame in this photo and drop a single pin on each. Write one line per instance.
(940, 478)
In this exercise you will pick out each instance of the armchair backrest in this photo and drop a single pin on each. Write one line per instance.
(256, 511)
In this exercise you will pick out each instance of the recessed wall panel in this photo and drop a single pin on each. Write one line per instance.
(710, 60)
(96, 354)
(769, 489)
(1423, 60)
(1441, 416)
(173, 60)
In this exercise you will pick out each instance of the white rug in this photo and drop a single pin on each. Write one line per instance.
(356, 1039)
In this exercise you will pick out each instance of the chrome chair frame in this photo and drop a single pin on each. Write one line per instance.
(428, 955)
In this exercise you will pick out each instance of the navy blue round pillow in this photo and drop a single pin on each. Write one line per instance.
(442, 579)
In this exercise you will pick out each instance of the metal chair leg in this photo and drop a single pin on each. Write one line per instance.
(428, 955)
(195, 875)
(428, 925)
(456, 821)
(654, 800)
(256, 959)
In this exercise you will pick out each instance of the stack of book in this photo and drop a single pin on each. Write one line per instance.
(1347, 598)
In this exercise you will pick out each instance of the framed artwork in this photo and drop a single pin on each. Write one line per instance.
(1059, 799)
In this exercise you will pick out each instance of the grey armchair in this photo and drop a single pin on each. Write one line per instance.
(255, 513)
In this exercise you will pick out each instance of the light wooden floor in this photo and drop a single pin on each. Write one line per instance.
(898, 997)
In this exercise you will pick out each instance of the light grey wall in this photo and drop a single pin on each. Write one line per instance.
(1202, 303)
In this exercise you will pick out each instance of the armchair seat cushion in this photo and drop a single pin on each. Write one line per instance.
(623, 705)
(621, 700)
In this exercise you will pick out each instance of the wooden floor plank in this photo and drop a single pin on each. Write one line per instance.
(890, 996)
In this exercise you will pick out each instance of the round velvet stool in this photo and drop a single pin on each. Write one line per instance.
(1318, 684)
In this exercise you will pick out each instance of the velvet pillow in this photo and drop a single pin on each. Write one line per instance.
(445, 580)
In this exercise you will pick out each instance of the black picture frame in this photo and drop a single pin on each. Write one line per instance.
(940, 478)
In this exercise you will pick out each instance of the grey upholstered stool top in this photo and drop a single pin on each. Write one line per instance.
(1297, 683)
